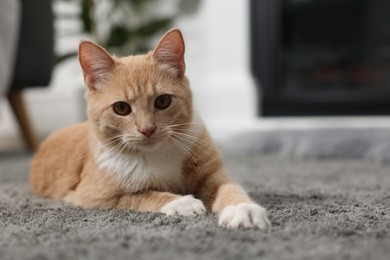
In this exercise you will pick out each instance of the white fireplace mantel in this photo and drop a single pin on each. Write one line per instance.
(217, 57)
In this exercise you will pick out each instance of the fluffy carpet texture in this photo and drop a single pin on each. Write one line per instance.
(320, 209)
(326, 143)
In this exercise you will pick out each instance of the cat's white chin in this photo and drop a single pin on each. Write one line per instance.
(150, 145)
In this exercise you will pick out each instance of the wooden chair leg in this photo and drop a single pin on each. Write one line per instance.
(18, 107)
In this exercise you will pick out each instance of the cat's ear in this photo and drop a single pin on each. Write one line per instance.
(170, 51)
(95, 63)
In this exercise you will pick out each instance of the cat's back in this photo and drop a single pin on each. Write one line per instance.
(56, 166)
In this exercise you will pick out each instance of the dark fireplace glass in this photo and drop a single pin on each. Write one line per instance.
(337, 46)
(321, 57)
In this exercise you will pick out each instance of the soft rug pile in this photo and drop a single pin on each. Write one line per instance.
(320, 209)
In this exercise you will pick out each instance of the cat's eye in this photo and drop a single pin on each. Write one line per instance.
(121, 108)
(163, 101)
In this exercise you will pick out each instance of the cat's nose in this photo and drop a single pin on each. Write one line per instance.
(148, 131)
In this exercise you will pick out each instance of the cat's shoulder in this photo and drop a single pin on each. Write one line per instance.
(79, 130)
(76, 133)
(63, 143)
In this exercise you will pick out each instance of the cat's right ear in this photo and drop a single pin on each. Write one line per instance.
(170, 51)
(95, 62)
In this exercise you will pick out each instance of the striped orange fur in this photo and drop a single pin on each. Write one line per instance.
(143, 147)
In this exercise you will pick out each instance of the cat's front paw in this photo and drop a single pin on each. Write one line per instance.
(184, 205)
(244, 215)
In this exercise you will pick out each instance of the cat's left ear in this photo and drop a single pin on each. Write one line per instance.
(170, 51)
(95, 62)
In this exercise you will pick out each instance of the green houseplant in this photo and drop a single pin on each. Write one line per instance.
(126, 26)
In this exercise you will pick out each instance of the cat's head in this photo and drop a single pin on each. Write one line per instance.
(137, 102)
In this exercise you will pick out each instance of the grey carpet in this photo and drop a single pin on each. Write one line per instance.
(320, 209)
(332, 143)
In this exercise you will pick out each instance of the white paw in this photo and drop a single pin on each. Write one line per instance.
(244, 215)
(185, 205)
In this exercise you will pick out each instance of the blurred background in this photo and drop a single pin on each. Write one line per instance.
(254, 66)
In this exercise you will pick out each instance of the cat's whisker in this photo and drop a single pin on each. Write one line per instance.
(178, 127)
(121, 148)
(199, 140)
(207, 144)
(164, 134)
(190, 143)
(185, 150)
(118, 142)
(188, 131)
(184, 124)
(183, 143)
(189, 149)
(114, 140)
(194, 143)
(131, 138)
(184, 129)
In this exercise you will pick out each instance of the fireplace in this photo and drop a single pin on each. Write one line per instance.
(321, 57)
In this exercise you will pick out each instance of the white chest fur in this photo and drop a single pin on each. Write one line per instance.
(159, 170)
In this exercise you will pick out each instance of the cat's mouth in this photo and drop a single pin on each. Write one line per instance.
(150, 143)
(141, 143)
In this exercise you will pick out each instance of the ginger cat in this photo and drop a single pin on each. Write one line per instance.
(143, 148)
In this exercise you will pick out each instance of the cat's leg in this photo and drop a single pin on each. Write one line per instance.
(165, 202)
(184, 205)
(230, 201)
(236, 209)
(207, 178)
(151, 201)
